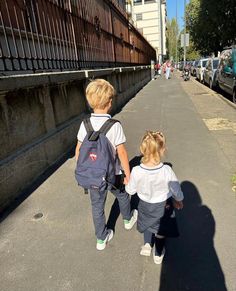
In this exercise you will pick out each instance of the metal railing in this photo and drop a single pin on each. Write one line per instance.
(56, 35)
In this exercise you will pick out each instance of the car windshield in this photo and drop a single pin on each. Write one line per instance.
(215, 64)
(204, 64)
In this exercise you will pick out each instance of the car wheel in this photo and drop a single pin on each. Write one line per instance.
(217, 87)
(234, 96)
(210, 83)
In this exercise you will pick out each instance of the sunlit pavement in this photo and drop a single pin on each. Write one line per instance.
(57, 251)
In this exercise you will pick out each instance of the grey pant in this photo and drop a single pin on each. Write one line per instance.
(98, 200)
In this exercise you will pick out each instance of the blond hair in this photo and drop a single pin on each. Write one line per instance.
(99, 92)
(152, 146)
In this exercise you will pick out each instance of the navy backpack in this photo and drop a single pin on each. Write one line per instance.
(96, 165)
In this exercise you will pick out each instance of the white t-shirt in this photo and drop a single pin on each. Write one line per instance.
(154, 184)
(115, 134)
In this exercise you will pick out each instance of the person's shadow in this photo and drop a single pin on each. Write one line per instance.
(115, 209)
(191, 262)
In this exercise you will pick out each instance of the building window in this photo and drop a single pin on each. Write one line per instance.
(139, 16)
(149, 1)
(137, 2)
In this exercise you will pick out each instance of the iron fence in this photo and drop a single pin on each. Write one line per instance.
(56, 35)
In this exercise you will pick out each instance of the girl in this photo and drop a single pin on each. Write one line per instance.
(155, 184)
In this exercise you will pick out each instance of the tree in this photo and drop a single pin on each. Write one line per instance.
(191, 52)
(211, 24)
(172, 35)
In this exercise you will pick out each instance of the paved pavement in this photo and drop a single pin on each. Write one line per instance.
(57, 251)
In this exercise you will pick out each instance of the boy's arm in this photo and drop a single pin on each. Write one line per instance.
(77, 150)
(131, 187)
(123, 157)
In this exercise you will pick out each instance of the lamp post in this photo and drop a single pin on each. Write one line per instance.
(161, 29)
(177, 32)
(184, 32)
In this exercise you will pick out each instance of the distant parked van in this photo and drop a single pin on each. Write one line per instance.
(226, 73)
(200, 69)
(194, 68)
(209, 76)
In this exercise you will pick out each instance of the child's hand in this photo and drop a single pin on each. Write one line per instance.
(126, 180)
(178, 204)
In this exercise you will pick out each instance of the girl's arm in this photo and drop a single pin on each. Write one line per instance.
(123, 157)
(176, 190)
(177, 193)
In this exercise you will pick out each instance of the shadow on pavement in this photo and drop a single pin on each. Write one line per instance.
(115, 209)
(191, 262)
(31, 188)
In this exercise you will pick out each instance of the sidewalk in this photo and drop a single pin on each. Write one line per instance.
(57, 252)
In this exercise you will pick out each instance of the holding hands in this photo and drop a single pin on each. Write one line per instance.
(178, 204)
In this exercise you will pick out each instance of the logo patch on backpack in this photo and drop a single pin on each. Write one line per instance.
(93, 157)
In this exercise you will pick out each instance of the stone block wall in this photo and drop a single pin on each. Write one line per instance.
(40, 115)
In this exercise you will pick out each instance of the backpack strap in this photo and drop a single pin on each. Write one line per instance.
(107, 125)
(93, 135)
(88, 125)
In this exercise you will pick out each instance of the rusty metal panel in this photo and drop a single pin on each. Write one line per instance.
(49, 35)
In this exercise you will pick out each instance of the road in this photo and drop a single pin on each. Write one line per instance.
(57, 251)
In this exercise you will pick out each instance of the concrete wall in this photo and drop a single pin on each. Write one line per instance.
(40, 115)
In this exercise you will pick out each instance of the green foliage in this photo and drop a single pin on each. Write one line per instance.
(172, 35)
(211, 24)
(233, 179)
(191, 52)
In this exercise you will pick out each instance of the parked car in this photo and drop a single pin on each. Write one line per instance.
(226, 73)
(200, 69)
(194, 68)
(209, 75)
(181, 66)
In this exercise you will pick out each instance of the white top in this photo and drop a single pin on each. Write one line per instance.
(115, 134)
(154, 184)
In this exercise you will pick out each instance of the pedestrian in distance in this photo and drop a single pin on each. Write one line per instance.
(159, 191)
(99, 94)
(168, 69)
(157, 69)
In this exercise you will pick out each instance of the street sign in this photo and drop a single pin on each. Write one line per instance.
(186, 40)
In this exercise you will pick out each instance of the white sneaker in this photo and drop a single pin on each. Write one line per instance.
(130, 223)
(101, 244)
(158, 259)
(146, 250)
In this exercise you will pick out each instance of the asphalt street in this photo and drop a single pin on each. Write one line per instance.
(56, 252)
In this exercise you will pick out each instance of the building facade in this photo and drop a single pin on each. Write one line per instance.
(149, 16)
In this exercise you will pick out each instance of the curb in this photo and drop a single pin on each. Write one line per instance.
(212, 92)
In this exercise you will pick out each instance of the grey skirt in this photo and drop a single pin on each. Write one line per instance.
(158, 218)
(149, 216)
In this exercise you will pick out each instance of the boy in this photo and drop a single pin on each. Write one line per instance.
(99, 94)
